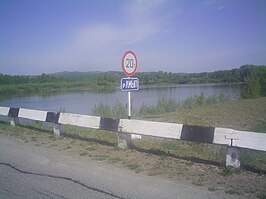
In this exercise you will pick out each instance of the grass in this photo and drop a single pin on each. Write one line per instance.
(262, 195)
(114, 160)
(170, 105)
(212, 189)
(135, 167)
(100, 157)
(227, 171)
(83, 153)
(164, 105)
(92, 148)
(181, 149)
(232, 191)
(247, 115)
(259, 127)
(67, 147)
(254, 160)
(166, 156)
(198, 183)
(90, 134)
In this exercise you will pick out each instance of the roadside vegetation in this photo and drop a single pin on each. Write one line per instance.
(195, 163)
(255, 84)
(164, 105)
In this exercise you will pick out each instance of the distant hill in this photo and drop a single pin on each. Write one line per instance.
(76, 74)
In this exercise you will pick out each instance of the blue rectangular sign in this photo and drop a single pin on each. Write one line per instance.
(129, 84)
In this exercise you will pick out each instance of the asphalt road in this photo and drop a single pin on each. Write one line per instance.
(28, 171)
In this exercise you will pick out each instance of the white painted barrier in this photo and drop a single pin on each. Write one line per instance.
(32, 114)
(156, 129)
(250, 140)
(4, 111)
(211, 135)
(79, 120)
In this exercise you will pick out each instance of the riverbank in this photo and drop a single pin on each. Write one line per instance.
(243, 114)
(46, 89)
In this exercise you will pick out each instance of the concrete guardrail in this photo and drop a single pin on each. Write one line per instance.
(234, 139)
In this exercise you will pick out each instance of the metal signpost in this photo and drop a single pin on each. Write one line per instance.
(129, 66)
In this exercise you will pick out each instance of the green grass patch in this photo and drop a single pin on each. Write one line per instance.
(91, 148)
(254, 159)
(180, 149)
(227, 171)
(114, 160)
(34, 138)
(198, 183)
(135, 167)
(232, 191)
(83, 153)
(259, 127)
(100, 157)
(67, 147)
(262, 195)
(212, 189)
(96, 135)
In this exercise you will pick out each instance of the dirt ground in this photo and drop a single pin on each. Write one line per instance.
(214, 178)
(240, 115)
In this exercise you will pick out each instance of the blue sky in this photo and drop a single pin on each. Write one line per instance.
(45, 36)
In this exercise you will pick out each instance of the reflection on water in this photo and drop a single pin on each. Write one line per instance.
(84, 101)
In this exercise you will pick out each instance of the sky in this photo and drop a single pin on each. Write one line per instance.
(47, 36)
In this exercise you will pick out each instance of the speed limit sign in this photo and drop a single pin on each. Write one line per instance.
(129, 63)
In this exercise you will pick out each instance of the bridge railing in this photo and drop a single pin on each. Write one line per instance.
(234, 139)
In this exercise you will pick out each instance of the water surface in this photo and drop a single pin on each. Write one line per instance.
(83, 102)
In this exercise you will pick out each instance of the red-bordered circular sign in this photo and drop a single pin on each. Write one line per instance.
(129, 63)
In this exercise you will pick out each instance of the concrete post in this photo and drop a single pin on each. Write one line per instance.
(14, 121)
(57, 129)
(135, 137)
(232, 157)
(124, 140)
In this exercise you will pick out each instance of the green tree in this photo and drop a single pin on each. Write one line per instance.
(252, 87)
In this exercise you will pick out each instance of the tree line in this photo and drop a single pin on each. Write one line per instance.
(221, 76)
(253, 75)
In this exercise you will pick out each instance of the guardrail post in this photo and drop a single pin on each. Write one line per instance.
(14, 121)
(124, 140)
(232, 157)
(57, 129)
(135, 137)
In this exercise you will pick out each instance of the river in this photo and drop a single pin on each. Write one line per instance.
(83, 102)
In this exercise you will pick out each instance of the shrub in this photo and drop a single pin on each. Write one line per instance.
(252, 87)
(118, 110)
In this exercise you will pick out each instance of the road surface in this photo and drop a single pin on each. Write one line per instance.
(28, 171)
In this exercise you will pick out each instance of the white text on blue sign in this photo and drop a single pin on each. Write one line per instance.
(129, 84)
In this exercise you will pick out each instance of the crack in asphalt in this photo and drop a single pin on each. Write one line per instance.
(62, 178)
(8, 191)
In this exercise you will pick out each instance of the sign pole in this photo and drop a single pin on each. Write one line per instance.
(129, 66)
(129, 105)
